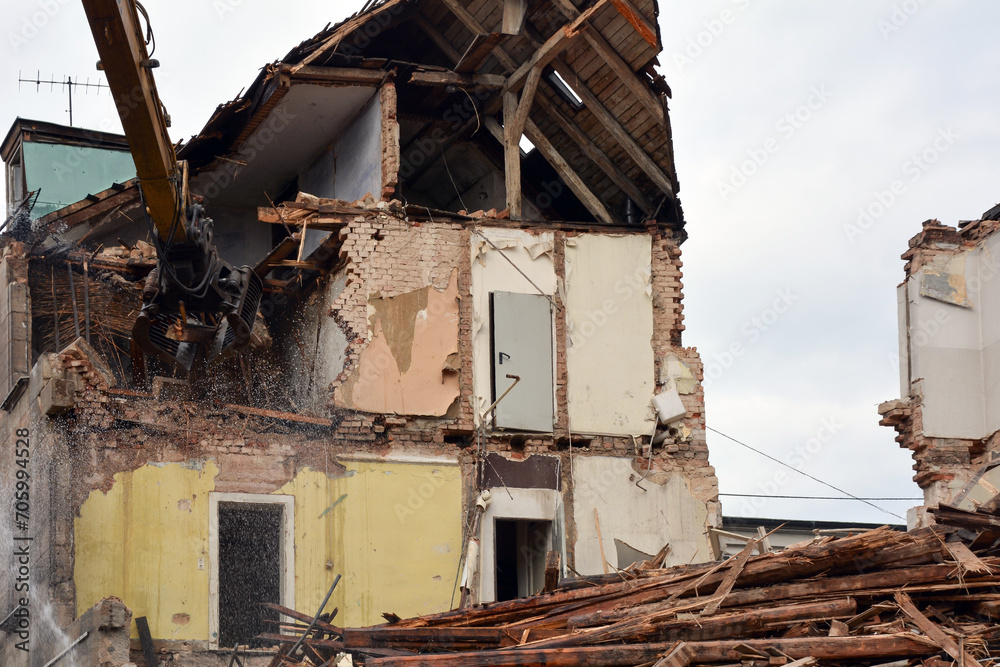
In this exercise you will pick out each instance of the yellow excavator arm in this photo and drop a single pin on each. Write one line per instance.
(194, 300)
(128, 67)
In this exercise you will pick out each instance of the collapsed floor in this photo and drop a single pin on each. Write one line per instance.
(876, 597)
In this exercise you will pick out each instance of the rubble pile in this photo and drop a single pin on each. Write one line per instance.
(882, 596)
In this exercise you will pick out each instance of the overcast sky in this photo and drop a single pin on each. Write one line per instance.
(790, 118)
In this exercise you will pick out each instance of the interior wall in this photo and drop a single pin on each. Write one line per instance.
(663, 511)
(239, 236)
(532, 254)
(609, 317)
(410, 365)
(358, 154)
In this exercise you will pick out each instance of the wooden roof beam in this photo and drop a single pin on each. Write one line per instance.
(610, 123)
(439, 40)
(562, 167)
(514, 12)
(615, 129)
(615, 61)
(488, 81)
(553, 46)
(599, 157)
(480, 49)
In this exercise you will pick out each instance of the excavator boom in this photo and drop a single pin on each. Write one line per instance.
(118, 36)
(194, 299)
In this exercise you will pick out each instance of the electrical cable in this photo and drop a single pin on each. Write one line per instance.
(761, 495)
(805, 474)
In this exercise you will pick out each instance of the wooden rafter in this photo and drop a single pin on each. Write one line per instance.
(613, 127)
(514, 12)
(553, 46)
(638, 21)
(615, 61)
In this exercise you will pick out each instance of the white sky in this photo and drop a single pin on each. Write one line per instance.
(885, 80)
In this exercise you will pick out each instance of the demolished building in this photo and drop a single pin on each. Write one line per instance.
(444, 314)
(949, 363)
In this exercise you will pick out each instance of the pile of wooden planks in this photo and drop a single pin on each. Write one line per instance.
(876, 597)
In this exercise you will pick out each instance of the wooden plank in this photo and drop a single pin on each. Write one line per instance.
(288, 245)
(349, 26)
(425, 638)
(736, 566)
(488, 81)
(283, 416)
(638, 21)
(513, 16)
(479, 50)
(552, 569)
(821, 648)
(352, 76)
(568, 175)
(473, 25)
(936, 634)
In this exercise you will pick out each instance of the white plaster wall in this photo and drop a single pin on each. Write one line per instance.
(609, 316)
(666, 512)
(536, 504)
(946, 357)
(532, 254)
(989, 300)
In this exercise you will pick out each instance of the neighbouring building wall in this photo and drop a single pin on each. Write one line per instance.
(67, 173)
(949, 356)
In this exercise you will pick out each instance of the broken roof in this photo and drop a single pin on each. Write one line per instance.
(599, 110)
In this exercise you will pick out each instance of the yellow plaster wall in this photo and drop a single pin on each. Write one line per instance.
(141, 542)
(393, 530)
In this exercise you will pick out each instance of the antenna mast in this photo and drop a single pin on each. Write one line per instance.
(67, 84)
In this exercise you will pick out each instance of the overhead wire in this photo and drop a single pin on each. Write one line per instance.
(805, 474)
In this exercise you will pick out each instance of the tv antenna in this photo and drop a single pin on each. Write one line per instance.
(67, 84)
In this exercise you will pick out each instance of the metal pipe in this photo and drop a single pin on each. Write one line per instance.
(315, 618)
(516, 378)
(66, 650)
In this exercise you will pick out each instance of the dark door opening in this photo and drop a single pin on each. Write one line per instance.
(249, 571)
(521, 546)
